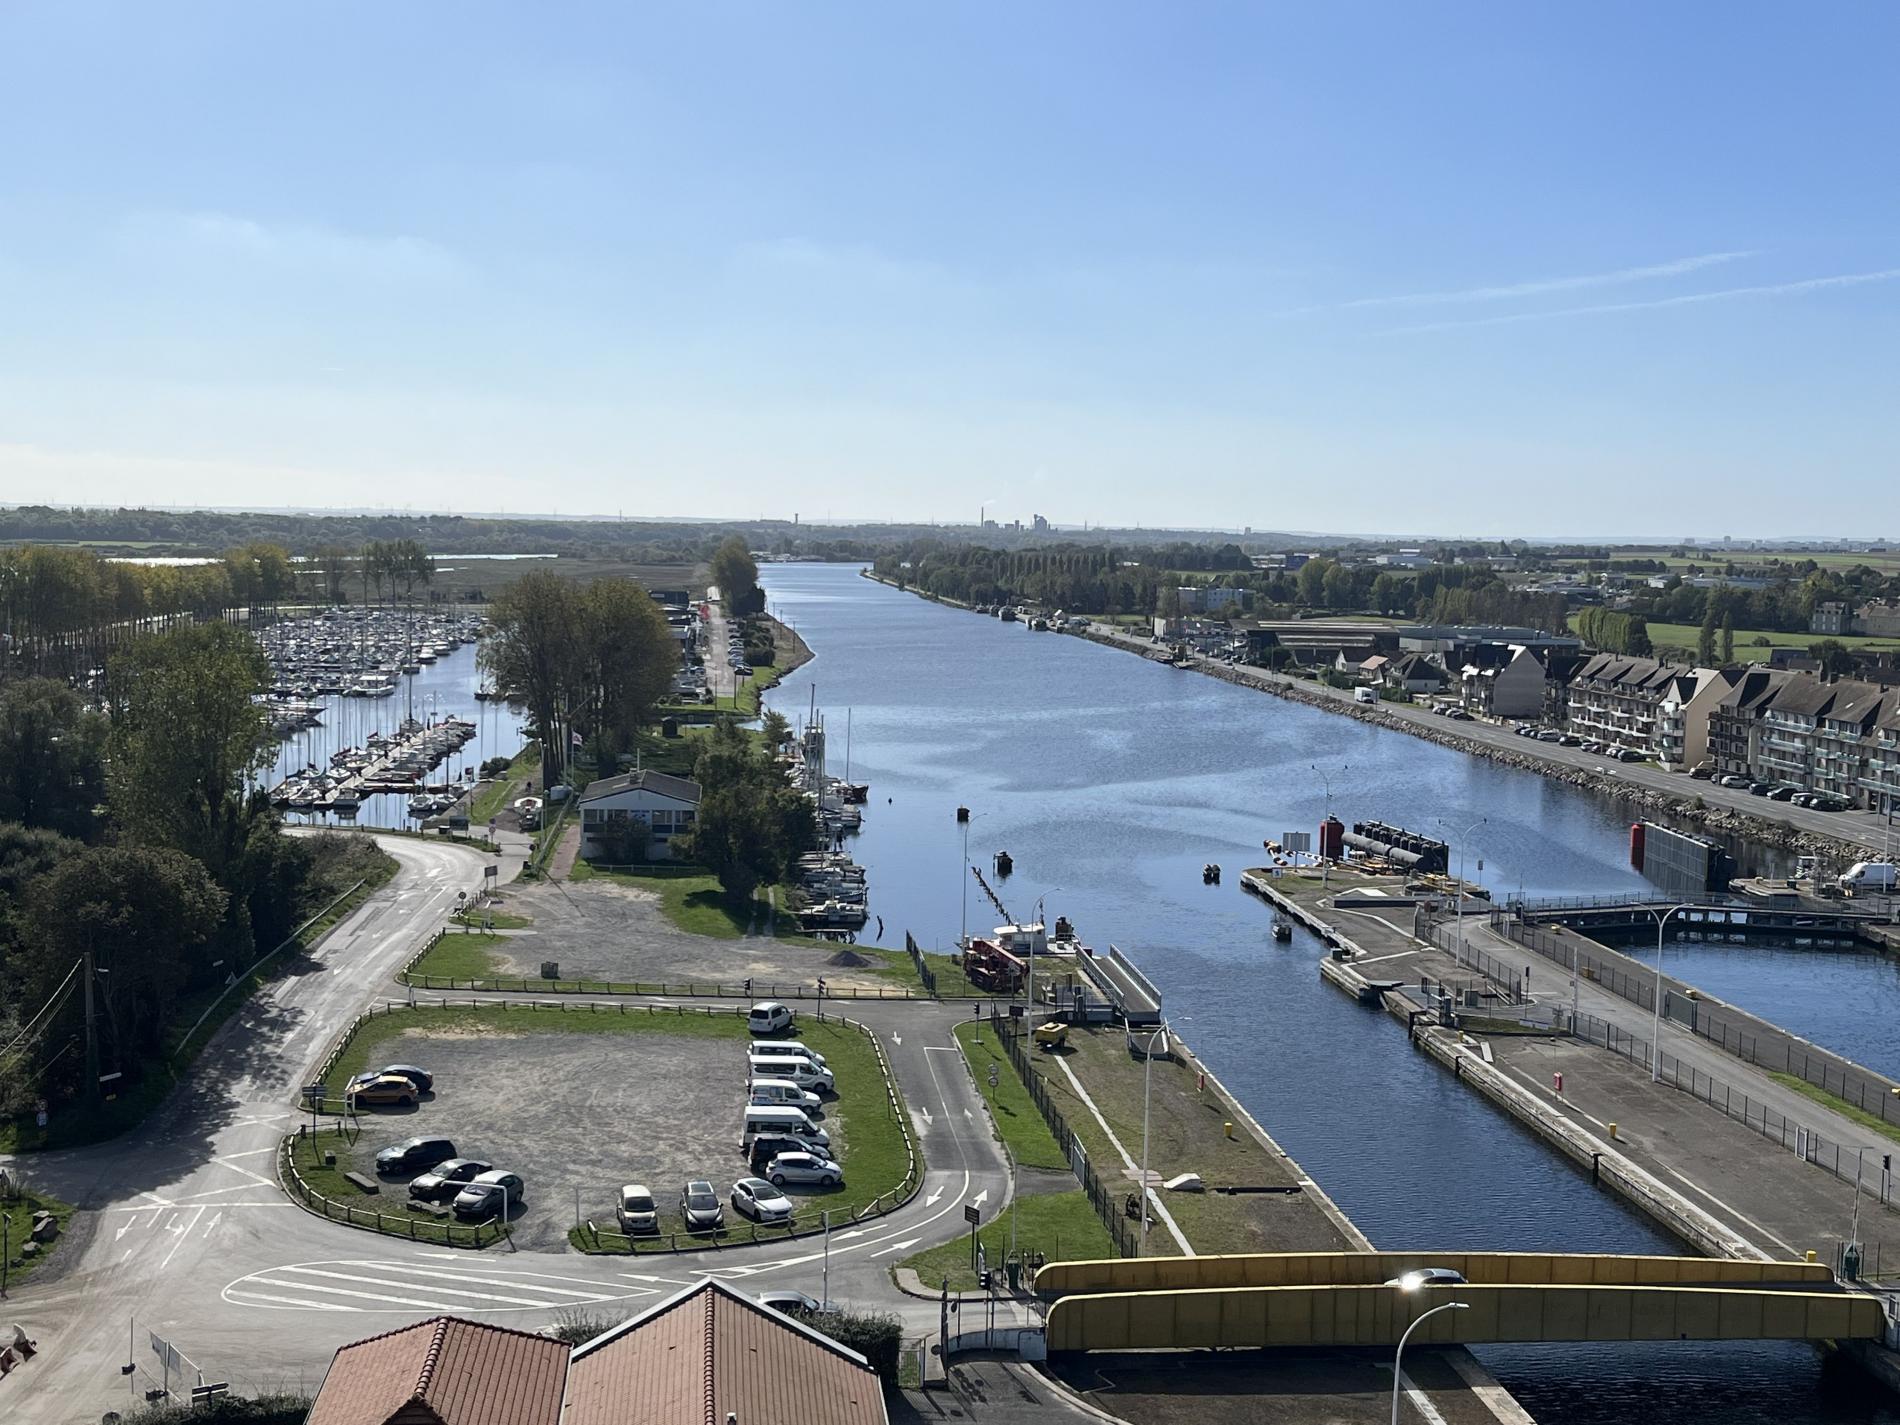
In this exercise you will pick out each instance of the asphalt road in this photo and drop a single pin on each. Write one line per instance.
(1862, 827)
(188, 1235)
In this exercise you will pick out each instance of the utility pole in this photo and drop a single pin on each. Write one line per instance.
(92, 1036)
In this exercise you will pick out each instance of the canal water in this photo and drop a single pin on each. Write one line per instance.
(1111, 780)
(444, 688)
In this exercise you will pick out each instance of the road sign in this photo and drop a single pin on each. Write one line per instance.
(490, 872)
(1296, 840)
(992, 1076)
(972, 1214)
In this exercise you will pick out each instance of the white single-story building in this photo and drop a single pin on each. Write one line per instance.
(665, 805)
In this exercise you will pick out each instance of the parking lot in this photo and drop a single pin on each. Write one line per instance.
(568, 1111)
(604, 930)
(583, 1102)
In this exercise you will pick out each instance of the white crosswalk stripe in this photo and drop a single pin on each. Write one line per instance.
(479, 1287)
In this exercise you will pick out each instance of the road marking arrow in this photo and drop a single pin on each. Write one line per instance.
(931, 1201)
(924, 1114)
(977, 1201)
(640, 1277)
(897, 1247)
(847, 1236)
(969, 1115)
(894, 1038)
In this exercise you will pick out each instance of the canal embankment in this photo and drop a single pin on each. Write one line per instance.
(1724, 1157)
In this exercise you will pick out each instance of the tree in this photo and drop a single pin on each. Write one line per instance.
(623, 660)
(333, 564)
(1728, 639)
(1705, 640)
(737, 576)
(186, 740)
(52, 758)
(1836, 658)
(148, 916)
(530, 652)
(751, 824)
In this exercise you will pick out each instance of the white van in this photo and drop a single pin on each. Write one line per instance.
(800, 1071)
(768, 1017)
(777, 1052)
(782, 1091)
(1867, 876)
(1364, 695)
(787, 1049)
(762, 1118)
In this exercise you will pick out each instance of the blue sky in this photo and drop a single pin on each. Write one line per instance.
(1492, 269)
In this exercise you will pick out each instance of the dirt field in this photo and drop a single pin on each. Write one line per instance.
(601, 930)
(571, 1111)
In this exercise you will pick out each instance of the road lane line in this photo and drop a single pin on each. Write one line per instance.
(594, 1295)
(181, 1240)
(289, 1301)
(302, 1285)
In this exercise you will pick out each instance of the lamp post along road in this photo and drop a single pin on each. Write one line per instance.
(1398, 1356)
(1655, 1032)
(1459, 904)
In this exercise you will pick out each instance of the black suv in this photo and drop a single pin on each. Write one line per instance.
(415, 1155)
(767, 1146)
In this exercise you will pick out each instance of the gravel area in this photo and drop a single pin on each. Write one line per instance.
(571, 1111)
(602, 930)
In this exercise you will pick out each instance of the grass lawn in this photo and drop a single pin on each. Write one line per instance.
(461, 955)
(1186, 1134)
(860, 1120)
(504, 789)
(21, 1210)
(1838, 1104)
(72, 1124)
(1686, 635)
(492, 919)
(1016, 1119)
(1061, 1226)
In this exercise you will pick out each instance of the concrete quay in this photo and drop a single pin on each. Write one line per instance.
(1706, 1176)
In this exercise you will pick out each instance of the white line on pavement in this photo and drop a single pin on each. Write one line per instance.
(181, 1240)
(372, 1281)
(595, 1295)
(291, 1301)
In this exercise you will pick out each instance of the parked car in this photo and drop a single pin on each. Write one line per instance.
(1733, 781)
(794, 1302)
(784, 1091)
(767, 1146)
(761, 1201)
(421, 1078)
(446, 1179)
(389, 1089)
(1567, 739)
(636, 1211)
(1759, 789)
(1803, 799)
(414, 1155)
(804, 1167)
(1548, 734)
(1781, 794)
(1628, 754)
(1524, 729)
(769, 1017)
(1427, 1276)
(492, 1194)
(1703, 773)
(788, 1049)
(699, 1206)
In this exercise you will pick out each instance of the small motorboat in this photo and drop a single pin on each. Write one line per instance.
(1210, 874)
(1282, 929)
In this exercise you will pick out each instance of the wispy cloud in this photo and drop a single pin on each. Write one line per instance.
(230, 238)
(1726, 294)
(1542, 287)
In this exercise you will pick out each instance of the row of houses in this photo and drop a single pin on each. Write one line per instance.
(1784, 727)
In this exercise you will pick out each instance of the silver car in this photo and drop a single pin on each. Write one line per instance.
(759, 1200)
(804, 1168)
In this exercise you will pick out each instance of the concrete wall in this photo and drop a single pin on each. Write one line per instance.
(1378, 1315)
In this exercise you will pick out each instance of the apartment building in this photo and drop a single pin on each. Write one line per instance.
(1735, 720)
(1617, 700)
(1683, 717)
(1840, 744)
(1790, 733)
(1880, 769)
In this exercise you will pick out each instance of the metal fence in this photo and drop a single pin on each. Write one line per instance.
(925, 975)
(1108, 1206)
(1869, 1167)
(419, 1229)
(1506, 981)
(1749, 1038)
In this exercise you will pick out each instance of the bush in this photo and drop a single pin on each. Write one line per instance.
(276, 1409)
(877, 1337)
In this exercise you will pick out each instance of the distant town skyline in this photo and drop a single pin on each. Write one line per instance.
(1472, 271)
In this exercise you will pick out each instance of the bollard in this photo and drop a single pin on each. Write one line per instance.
(1810, 1256)
(1557, 1080)
(1613, 1133)
(1229, 1127)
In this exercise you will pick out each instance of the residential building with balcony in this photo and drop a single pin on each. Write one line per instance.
(1616, 700)
(1842, 742)
(1735, 720)
(1787, 748)
(1682, 719)
(1880, 767)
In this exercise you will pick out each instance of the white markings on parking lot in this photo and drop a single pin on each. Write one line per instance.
(183, 1233)
(421, 1284)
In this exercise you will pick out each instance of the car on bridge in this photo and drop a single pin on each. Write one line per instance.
(1427, 1276)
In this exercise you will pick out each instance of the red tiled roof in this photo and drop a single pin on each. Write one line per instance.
(708, 1352)
(444, 1372)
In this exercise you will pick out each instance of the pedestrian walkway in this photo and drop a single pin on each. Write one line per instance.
(1134, 1172)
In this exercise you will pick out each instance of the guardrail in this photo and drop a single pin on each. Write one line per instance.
(372, 1220)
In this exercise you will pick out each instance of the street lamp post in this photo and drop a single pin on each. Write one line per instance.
(1147, 1085)
(1655, 1033)
(1459, 904)
(1398, 1356)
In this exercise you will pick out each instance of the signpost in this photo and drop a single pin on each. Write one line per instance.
(972, 1214)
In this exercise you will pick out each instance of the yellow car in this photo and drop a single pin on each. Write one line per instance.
(1053, 1035)
(384, 1089)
